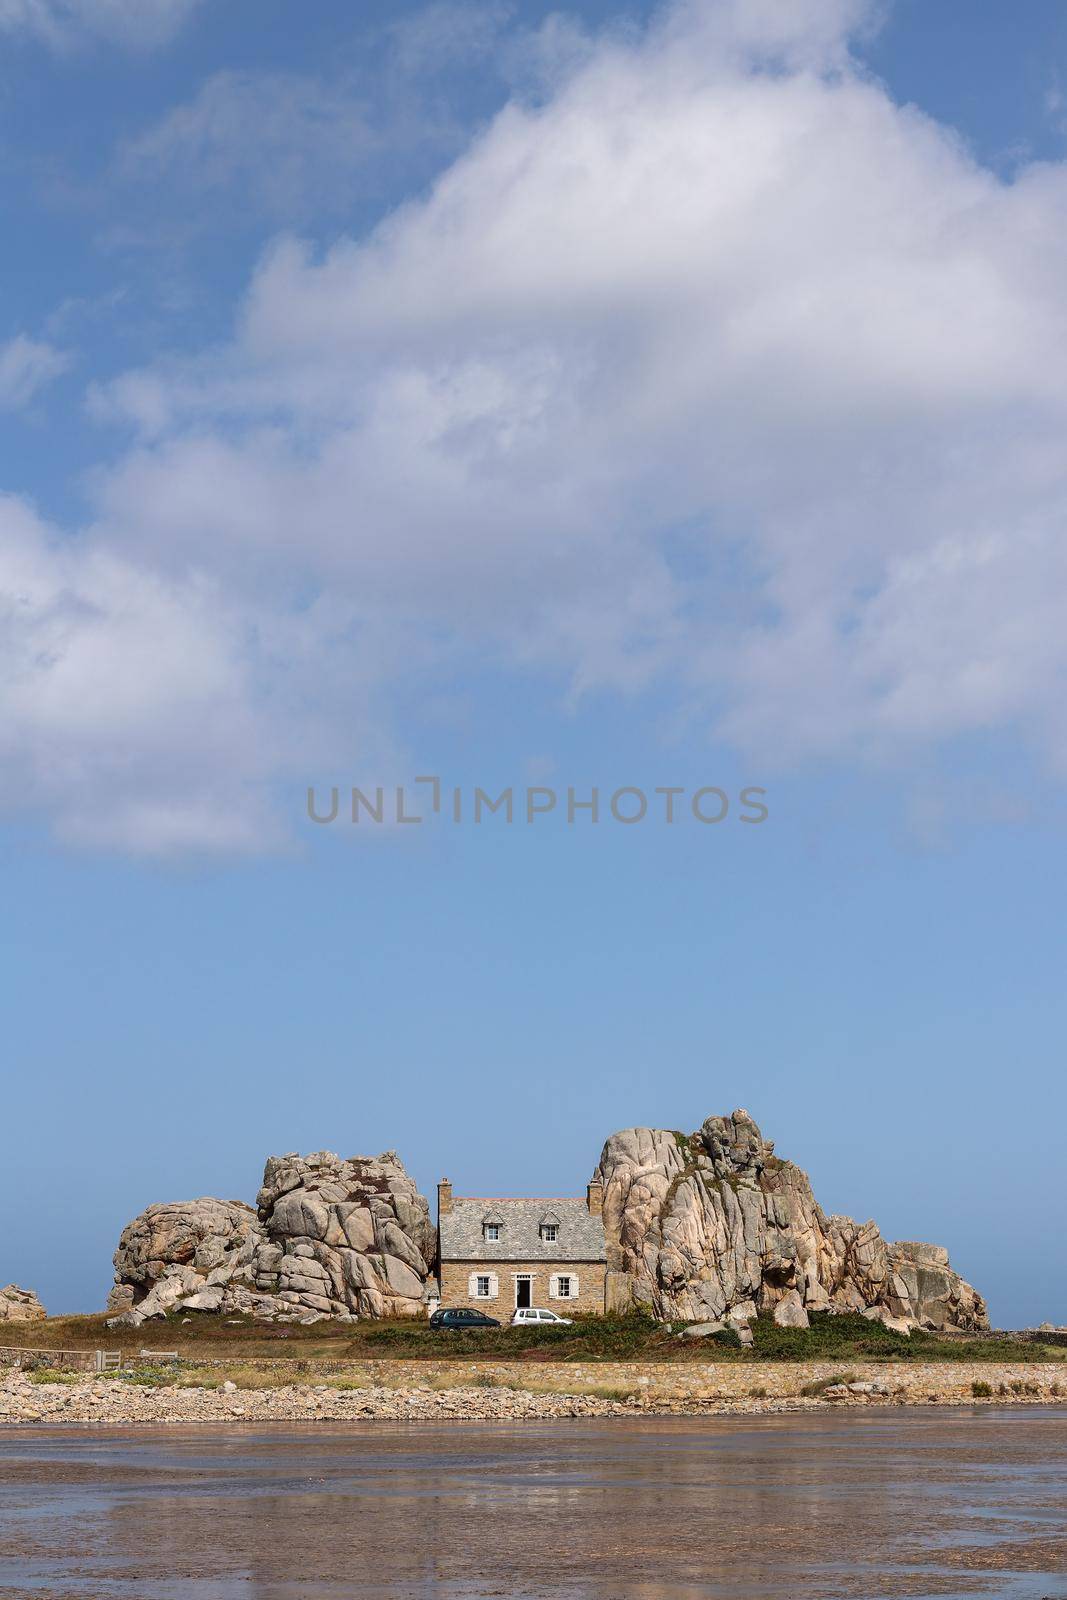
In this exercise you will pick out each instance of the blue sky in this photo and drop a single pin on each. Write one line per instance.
(615, 397)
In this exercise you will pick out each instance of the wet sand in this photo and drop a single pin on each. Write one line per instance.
(855, 1504)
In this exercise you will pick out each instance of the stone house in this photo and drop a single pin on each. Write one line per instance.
(497, 1254)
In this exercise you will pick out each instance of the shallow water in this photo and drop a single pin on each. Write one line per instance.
(850, 1504)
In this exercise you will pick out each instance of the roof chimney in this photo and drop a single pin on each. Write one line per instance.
(594, 1196)
(444, 1198)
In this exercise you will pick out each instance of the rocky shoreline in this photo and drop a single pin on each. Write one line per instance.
(391, 1391)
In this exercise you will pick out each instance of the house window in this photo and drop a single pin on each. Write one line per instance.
(563, 1287)
(550, 1232)
(481, 1287)
(491, 1231)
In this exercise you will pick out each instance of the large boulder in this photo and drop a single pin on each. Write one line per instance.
(329, 1237)
(344, 1237)
(700, 1224)
(172, 1253)
(940, 1296)
(20, 1305)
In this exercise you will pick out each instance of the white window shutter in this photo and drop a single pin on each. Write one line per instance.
(574, 1286)
(494, 1285)
(472, 1286)
(553, 1286)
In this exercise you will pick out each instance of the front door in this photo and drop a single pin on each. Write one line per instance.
(523, 1289)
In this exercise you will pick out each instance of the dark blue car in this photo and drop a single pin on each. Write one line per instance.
(460, 1318)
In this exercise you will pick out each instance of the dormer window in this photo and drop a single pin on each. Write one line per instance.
(550, 1232)
(491, 1231)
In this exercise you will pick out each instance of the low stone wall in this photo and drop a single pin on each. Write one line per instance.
(58, 1360)
(476, 1390)
(670, 1386)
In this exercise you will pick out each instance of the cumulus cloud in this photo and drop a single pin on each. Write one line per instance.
(155, 715)
(26, 367)
(60, 23)
(713, 368)
(104, 665)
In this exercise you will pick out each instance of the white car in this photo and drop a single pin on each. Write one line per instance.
(533, 1316)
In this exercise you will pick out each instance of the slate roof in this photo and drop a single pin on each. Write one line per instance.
(581, 1235)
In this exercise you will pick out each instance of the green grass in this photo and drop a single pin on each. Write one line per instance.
(631, 1338)
(150, 1377)
(608, 1391)
(637, 1337)
(815, 1391)
(854, 1337)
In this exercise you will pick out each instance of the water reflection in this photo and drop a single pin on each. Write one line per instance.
(879, 1503)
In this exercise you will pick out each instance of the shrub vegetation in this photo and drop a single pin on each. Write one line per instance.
(637, 1337)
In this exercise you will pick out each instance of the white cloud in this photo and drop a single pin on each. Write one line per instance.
(155, 714)
(59, 23)
(289, 147)
(277, 142)
(26, 367)
(108, 674)
(716, 368)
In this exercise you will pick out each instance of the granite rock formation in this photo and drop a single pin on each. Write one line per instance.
(714, 1225)
(328, 1238)
(707, 1228)
(941, 1297)
(20, 1305)
(344, 1237)
(187, 1253)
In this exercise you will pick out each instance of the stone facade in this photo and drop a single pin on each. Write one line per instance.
(495, 1254)
(585, 1276)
